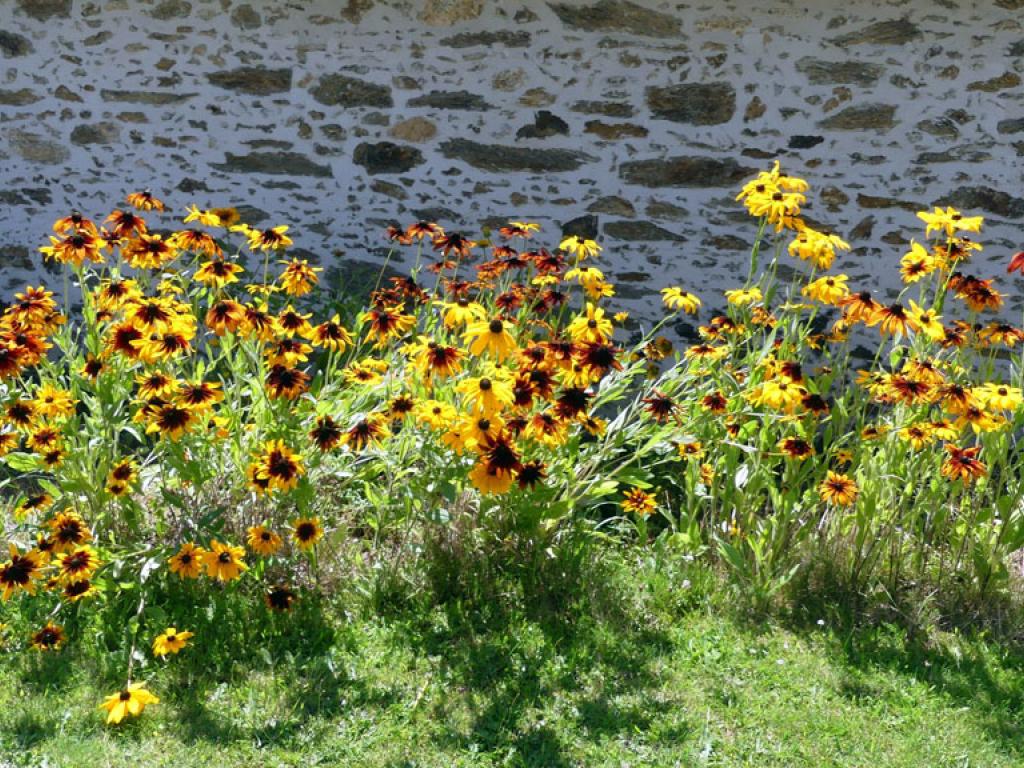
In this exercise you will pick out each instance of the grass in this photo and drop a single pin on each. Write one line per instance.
(664, 681)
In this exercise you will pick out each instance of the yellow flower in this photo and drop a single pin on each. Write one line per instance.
(950, 221)
(917, 263)
(489, 480)
(691, 450)
(490, 336)
(585, 275)
(598, 290)
(277, 466)
(307, 531)
(925, 321)
(218, 273)
(639, 502)
(819, 248)
(131, 701)
(298, 277)
(742, 296)
(19, 572)
(830, 289)
(206, 218)
(675, 297)
(580, 248)
(170, 641)
(188, 561)
(999, 396)
(838, 489)
(53, 402)
(80, 563)
(434, 413)
(266, 239)
(262, 540)
(224, 562)
(918, 435)
(461, 312)
(487, 394)
(591, 326)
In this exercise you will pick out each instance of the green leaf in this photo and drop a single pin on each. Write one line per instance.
(22, 462)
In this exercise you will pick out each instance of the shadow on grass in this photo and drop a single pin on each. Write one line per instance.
(512, 659)
(973, 677)
(979, 671)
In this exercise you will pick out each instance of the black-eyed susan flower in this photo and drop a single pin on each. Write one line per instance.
(434, 413)
(796, 448)
(591, 326)
(144, 201)
(68, 530)
(692, 449)
(187, 562)
(580, 247)
(171, 420)
(660, 406)
(270, 239)
(307, 531)
(224, 562)
(676, 298)
(122, 476)
(838, 489)
(325, 434)
(199, 242)
(206, 218)
(74, 222)
(225, 316)
(819, 248)
(741, 297)
(925, 321)
(1002, 397)
(491, 337)
(20, 572)
(371, 429)
(292, 322)
(82, 589)
(330, 335)
(75, 249)
(279, 466)
(131, 701)
(32, 504)
(50, 638)
(262, 540)
(437, 360)
(949, 221)
(53, 402)
(639, 502)
(199, 396)
(963, 464)
(78, 563)
(280, 599)
(286, 382)
(491, 480)
(218, 273)
(487, 394)
(149, 251)
(830, 289)
(298, 278)
(171, 640)
(385, 323)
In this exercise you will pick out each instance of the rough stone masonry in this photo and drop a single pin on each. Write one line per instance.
(632, 122)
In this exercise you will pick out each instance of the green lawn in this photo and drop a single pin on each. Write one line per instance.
(692, 689)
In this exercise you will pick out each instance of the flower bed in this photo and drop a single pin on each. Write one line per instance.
(203, 432)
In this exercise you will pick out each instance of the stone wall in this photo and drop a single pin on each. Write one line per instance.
(630, 121)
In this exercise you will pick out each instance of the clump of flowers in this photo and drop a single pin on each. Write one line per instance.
(204, 423)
